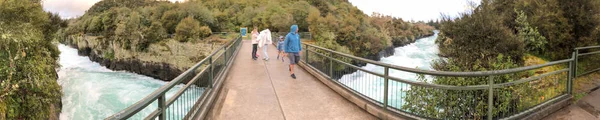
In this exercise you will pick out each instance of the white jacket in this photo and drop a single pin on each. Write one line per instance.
(264, 38)
(254, 37)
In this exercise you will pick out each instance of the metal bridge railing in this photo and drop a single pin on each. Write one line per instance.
(585, 57)
(189, 94)
(501, 94)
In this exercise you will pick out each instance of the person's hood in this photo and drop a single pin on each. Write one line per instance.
(293, 28)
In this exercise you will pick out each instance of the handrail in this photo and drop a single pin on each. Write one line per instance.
(326, 58)
(445, 73)
(588, 47)
(578, 54)
(159, 94)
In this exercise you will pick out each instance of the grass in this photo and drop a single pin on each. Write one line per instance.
(578, 96)
(545, 88)
(581, 85)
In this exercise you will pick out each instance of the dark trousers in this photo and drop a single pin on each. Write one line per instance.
(254, 47)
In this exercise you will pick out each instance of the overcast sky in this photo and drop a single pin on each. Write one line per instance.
(418, 10)
(70, 8)
(406, 9)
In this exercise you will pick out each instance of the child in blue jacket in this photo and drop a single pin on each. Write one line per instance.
(280, 48)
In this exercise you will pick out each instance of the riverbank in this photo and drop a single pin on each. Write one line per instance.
(164, 60)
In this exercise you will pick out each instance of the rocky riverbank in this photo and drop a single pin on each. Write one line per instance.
(157, 70)
(164, 60)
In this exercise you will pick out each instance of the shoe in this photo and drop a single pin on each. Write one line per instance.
(293, 76)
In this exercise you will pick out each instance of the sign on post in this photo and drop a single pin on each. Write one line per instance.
(243, 31)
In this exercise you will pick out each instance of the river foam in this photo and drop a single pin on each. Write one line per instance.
(415, 55)
(93, 92)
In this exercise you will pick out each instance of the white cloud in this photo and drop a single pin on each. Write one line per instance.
(71, 8)
(418, 10)
(68, 8)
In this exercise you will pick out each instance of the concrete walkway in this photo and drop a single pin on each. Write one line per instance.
(588, 108)
(264, 90)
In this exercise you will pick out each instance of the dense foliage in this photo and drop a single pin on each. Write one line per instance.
(188, 29)
(335, 24)
(28, 86)
(496, 35)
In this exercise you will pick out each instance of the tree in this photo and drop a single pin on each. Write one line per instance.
(534, 41)
(473, 42)
(128, 30)
(188, 29)
(299, 12)
(170, 20)
(152, 34)
(28, 85)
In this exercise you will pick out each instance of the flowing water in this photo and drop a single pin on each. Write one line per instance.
(93, 92)
(416, 55)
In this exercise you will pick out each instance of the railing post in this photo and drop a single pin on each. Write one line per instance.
(162, 108)
(306, 52)
(490, 97)
(210, 74)
(385, 87)
(331, 65)
(225, 53)
(576, 56)
(572, 70)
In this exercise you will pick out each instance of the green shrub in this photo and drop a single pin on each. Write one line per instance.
(188, 29)
(205, 32)
(28, 86)
(154, 33)
(534, 41)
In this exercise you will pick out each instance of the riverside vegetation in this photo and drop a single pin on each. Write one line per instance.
(28, 86)
(503, 34)
(124, 34)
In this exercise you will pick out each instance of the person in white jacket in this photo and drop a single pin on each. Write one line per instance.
(254, 42)
(264, 40)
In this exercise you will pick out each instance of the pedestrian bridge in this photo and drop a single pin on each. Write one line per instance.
(331, 85)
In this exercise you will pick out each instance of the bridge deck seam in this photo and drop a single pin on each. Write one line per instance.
(275, 91)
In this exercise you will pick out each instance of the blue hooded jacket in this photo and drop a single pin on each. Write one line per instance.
(292, 42)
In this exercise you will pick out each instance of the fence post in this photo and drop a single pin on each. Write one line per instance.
(331, 65)
(225, 49)
(575, 64)
(210, 74)
(490, 97)
(385, 87)
(572, 70)
(306, 52)
(162, 107)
